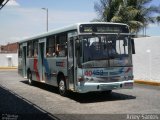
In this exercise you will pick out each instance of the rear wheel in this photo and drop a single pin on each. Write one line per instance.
(30, 81)
(62, 86)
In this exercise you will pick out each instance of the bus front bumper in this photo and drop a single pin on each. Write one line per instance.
(91, 87)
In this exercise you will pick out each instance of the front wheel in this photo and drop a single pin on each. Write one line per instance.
(108, 92)
(62, 86)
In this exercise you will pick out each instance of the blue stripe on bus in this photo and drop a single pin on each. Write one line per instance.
(46, 65)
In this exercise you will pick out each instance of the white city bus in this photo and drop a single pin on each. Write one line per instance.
(84, 57)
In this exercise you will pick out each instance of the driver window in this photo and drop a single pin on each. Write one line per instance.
(122, 47)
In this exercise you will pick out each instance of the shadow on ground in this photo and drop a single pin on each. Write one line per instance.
(13, 106)
(91, 97)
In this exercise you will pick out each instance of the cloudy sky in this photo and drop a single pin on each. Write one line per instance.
(23, 18)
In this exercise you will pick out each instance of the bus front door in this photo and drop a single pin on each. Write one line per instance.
(41, 57)
(72, 69)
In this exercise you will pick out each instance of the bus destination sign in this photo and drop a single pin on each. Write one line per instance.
(103, 28)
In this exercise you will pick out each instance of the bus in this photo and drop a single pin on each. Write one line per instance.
(84, 57)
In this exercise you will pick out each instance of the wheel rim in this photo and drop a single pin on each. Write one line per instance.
(62, 87)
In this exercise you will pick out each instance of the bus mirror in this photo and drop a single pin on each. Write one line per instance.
(133, 46)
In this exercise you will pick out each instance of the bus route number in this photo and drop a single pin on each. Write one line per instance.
(94, 72)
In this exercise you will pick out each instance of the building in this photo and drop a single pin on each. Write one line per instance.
(9, 48)
(9, 55)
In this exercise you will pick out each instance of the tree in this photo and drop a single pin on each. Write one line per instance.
(158, 18)
(136, 13)
(106, 9)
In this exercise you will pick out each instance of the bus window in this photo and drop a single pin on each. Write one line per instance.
(50, 48)
(30, 49)
(61, 50)
(122, 47)
(35, 48)
(78, 48)
(61, 45)
(20, 51)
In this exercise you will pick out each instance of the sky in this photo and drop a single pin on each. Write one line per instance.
(23, 18)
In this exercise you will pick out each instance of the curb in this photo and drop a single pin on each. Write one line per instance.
(6, 68)
(154, 83)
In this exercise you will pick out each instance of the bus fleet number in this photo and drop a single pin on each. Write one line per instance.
(94, 72)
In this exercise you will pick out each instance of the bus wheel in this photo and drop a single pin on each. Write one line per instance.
(108, 92)
(30, 81)
(62, 86)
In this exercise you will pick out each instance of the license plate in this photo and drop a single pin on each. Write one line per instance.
(128, 84)
(108, 87)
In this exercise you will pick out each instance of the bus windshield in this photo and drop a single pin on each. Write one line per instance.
(108, 47)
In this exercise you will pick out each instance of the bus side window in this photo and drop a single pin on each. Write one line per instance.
(20, 51)
(61, 50)
(30, 49)
(50, 48)
(61, 43)
(35, 48)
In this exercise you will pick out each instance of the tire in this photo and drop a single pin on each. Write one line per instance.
(62, 86)
(108, 92)
(30, 81)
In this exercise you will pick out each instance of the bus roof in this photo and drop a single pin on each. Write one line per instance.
(65, 29)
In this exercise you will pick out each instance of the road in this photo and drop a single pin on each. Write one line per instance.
(20, 100)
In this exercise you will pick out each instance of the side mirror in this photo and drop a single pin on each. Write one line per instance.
(133, 46)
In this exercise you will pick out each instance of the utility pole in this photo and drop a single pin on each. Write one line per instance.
(46, 9)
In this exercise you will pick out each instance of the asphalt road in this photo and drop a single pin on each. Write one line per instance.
(18, 100)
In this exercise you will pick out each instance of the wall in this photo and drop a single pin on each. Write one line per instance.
(9, 48)
(146, 61)
(8, 60)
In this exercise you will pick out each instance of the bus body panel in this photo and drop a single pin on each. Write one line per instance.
(101, 79)
(52, 66)
(20, 67)
(93, 87)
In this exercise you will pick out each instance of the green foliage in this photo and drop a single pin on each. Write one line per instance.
(158, 18)
(136, 13)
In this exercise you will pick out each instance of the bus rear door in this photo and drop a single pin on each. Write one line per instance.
(41, 57)
(24, 56)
